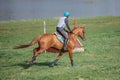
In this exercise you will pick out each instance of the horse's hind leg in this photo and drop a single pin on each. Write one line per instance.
(36, 51)
(33, 58)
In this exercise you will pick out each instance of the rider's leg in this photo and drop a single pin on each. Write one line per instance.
(65, 44)
(63, 33)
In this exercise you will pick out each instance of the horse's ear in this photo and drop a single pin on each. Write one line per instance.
(74, 24)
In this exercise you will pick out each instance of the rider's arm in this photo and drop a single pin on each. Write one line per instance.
(66, 22)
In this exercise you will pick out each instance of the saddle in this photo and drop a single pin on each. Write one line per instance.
(59, 37)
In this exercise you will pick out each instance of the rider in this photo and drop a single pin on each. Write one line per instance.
(60, 28)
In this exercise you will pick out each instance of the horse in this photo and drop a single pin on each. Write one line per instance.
(48, 40)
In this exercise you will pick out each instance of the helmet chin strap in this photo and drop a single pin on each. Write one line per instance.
(67, 16)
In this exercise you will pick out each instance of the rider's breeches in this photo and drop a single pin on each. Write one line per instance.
(61, 31)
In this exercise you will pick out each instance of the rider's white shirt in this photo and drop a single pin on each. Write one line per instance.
(61, 22)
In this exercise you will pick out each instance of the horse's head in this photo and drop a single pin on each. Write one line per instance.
(80, 31)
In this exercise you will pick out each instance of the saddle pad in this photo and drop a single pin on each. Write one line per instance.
(59, 37)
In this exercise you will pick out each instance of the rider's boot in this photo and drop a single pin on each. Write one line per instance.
(65, 44)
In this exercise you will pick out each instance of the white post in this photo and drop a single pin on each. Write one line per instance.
(44, 27)
(44, 24)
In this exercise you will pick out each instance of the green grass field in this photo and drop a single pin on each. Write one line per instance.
(99, 61)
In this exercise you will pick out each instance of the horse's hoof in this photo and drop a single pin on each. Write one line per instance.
(72, 64)
(51, 65)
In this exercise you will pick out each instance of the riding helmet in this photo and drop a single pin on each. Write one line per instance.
(66, 14)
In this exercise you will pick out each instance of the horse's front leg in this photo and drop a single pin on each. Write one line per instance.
(71, 58)
(55, 61)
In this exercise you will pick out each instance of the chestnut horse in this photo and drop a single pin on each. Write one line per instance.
(46, 41)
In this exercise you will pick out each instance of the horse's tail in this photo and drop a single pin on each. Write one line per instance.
(34, 41)
(22, 46)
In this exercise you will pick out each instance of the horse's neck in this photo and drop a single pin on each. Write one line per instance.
(76, 31)
(73, 37)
